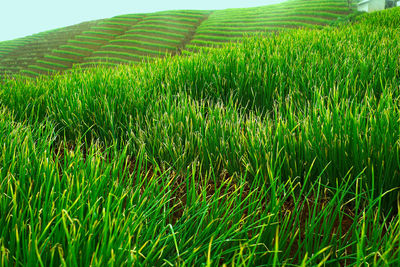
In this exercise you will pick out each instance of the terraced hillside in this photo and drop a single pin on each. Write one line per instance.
(76, 49)
(278, 151)
(232, 24)
(19, 54)
(154, 36)
(134, 38)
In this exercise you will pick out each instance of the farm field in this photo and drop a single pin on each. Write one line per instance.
(135, 38)
(285, 153)
(17, 55)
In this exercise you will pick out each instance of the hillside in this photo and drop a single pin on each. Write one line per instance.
(128, 39)
(285, 153)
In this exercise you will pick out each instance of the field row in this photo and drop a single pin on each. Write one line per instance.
(229, 25)
(155, 36)
(33, 48)
(80, 46)
(277, 151)
(134, 38)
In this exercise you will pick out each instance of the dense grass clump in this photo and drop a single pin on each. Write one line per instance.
(280, 150)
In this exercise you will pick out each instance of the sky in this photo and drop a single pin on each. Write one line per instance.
(19, 18)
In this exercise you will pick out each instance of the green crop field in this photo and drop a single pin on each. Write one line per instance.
(26, 51)
(162, 33)
(285, 153)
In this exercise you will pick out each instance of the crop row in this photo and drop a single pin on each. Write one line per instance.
(284, 153)
(134, 49)
(35, 47)
(172, 18)
(145, 37)
(158, 27)
(133, 43)
(275, 19)
(59, 58)
(154, 35)
(153, 32)
(226, 25)
(122, 55)
(265, 27)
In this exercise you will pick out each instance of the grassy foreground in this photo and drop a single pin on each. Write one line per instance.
(286, 152)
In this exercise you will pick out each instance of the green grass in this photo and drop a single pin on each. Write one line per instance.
(232, 34)
(130, 16)
(91, 38)
(215, 43)
(144, 37)
(156, 32)
(109, 23)
(34, 67)
(107, 28)
(115, 53)
(244, 29)
(182, 14)
(280, 13)
(145, 43)
(172, 18)
(59, 58)
(58, 51)
(132, 48)
(293, 14)
(95, 64)
(85, 49)
(100, 33)
(200, 38)
(141, 43)
(158, 27)
(286, 152)
(57, 65)
(119, 19)
(78, 42)
(183, 28)
(109, 60)
(275, 19)
(166, 23)
(29, 72)
(32, 48)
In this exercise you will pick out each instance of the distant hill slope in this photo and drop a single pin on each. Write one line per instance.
(136, 37)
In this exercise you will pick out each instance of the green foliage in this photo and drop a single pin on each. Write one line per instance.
(156, 32)
(103, 28)
(74, 47)
(123, 54)
(387, 18)
(166, 30)
(91, 38)
(57, 65)
(145, 37)
(100, 33)
(158, 26)
(290, 14)
(350, 18)
(141, 43)
(68, 53)
(280, 150)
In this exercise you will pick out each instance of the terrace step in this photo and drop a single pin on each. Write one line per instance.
(131, 38)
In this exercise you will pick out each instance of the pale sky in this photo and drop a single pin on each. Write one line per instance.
(19, 18)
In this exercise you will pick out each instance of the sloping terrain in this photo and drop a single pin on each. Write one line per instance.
(154, 36)
(134, 38)
(19, 54)
(278, 151)
(232, 24)
(82, 45)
